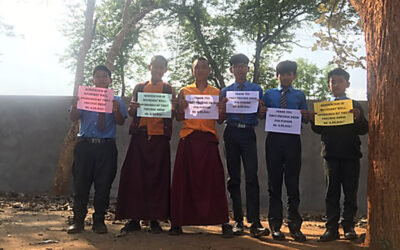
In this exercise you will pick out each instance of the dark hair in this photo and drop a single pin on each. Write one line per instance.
(159, 58)
(200, 59)
(102, 68)
(286, 67)
(239, 58)
(339, 72)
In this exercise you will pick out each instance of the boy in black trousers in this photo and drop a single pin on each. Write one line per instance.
(341, 153)
(283, 154)
(95, 156)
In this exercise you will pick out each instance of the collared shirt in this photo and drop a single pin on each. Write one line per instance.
(204, 125)
(88, 122)
(342, 97)
(248, 119)
(295, 98)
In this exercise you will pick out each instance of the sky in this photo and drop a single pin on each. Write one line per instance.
(29, 62)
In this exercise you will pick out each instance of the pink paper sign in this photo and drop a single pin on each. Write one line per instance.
(95, 99)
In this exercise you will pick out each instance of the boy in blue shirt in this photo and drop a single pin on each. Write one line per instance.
(341, 153)
(95, 156)
(241, 145)
(283, 154)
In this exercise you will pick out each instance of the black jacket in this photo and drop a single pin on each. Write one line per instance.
(343, 141)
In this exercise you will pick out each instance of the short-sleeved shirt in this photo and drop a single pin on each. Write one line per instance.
(154, 126)
(295, 98)
(88, 122)
(204, 125)
(248, 119)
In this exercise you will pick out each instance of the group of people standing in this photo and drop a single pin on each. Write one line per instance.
(197, 193)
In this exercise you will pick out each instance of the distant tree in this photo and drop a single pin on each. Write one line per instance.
(341, 32)
(199, 33)
(312, 80)
(271, 22)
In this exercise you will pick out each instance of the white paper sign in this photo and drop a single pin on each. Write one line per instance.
(283, 121)
(154, 105)
(242, 102)
(202, 107)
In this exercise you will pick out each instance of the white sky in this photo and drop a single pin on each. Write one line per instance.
(29, 65)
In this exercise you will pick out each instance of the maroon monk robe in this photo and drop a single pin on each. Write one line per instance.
(198, 184)
(144, 186)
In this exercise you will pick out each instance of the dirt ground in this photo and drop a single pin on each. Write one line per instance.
(40, 222)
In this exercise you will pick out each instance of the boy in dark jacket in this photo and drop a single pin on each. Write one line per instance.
(341, 152)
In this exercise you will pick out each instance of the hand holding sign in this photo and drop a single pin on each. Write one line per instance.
(242, 102)
(286, 121)
(154, 105)
(334, 113)
(202, 107)
(95, 99)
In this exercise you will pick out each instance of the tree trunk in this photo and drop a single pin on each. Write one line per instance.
(65, 160)
(382, 29)
(257, 56)
(128, 25)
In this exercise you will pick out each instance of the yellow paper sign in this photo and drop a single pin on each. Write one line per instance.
(333, 113)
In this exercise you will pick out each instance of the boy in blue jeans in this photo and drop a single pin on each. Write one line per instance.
(341, 153)
(95, 156)
(283, 154)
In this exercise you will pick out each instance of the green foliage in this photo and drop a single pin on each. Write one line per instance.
(341, 31)
(312, 80)
(272, 23)
(198, 33)
(130, 62)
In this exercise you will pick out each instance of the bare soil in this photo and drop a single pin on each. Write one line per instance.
(40, 222)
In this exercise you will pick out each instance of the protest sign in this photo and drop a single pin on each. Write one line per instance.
(154, 105)
(242, 102)
(95, 99)
(333, 113)
(202, 107)
(286, 121)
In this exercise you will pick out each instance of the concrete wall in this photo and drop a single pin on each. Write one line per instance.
(32, 129)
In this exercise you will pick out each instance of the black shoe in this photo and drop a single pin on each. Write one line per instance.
(257, 230)
(349, 233)
(278, 235)
(329, 235)
(238, 228)
(75, 228)
(175, 230)
(99, 227)
(227, 231)
(155, 227)
(298, 236)
(131, 226)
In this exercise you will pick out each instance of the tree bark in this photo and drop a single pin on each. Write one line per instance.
(127, 27)
(257, 58)
(382, 28)
(65, 160)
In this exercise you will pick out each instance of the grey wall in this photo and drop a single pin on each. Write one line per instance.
(32, 129)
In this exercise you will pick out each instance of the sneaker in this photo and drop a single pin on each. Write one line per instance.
(155, 227)
(227, 231)
(238, 228)
(175, 230)
(131, 226)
